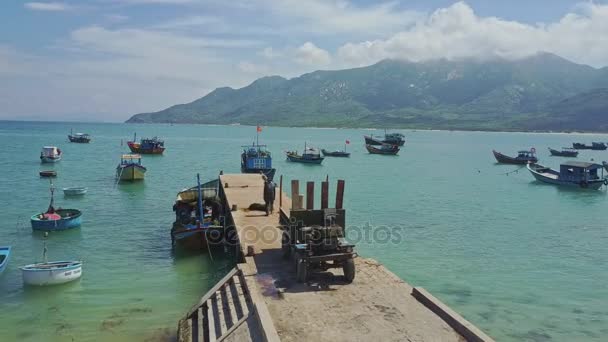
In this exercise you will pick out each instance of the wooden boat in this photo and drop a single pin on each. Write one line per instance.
(51, 273)
(594, 146)
(75, 191)
(5, 253)
(191, 230)
(523, 157)
(257, 159)
(383, 149)
(573, 174)
(56, 219)
(146, 145)
(565, 152)
(336, 153)
(130, 168)
(389, 138)
(81, 138)
(48, 173)
(50, 154)
(310, 156)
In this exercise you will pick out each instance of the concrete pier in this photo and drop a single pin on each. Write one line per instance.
(260, 299)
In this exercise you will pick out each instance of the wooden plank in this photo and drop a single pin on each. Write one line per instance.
(211, 321)
(185, 330)
(236, 297)
(295, 192)
(201, 325)
(212, 291)
(228, 308)
(233, 328)
(310, 195)
(221, 318)
(281, 192)
(324, 195)
(340, 194)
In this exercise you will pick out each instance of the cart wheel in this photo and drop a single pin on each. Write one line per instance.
(349, 270)
(301, 271)
(285, 248)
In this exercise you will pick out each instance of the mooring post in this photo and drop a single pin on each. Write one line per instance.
(295, 194)
(340, 194)
(310, 195)
(324, 195)
(281, 192)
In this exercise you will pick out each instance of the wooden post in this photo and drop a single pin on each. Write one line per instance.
(295, 192)
(281, 192)
(324, 195)
(340, 194)
(310, 195)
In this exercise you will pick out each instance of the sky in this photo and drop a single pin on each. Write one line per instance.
(105, 60)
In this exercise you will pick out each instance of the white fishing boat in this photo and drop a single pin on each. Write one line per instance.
(51, 273)
(50, 154)
(75, 191)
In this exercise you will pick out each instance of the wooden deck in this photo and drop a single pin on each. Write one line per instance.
(274, 307)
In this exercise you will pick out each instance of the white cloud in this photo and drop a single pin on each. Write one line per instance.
(117, 17)
(47, 6)
(457, 32)
(310, 54)
(270, 53)
(147, 2)
(252, 68)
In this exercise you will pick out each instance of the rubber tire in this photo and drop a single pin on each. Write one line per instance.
(285, 247)
(349, 270)
(301, 271)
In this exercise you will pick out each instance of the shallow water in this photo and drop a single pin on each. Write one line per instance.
(522, 260)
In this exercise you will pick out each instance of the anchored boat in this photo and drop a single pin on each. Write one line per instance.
(594, 146)
(310, 156)
(198, 216)
(523, 157)
(383, 149)
(5, 253)
(50, 154)
(257, 159)
(146, 145)
(389, 138)
(81, 138)
(51, 273)
(48, 173)
(573, 173)
(74, 191)
(337, 153)
(130, 168)
(56, 219)
(565, 152)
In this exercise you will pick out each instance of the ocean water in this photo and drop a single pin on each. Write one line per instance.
(520, 259)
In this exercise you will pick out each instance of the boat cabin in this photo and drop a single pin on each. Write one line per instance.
(50, 151)
(256, 157)
(525, 154)
(127, 159)
(576, 171)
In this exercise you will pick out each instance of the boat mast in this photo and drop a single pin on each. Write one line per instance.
(200, 199)
(52, 197)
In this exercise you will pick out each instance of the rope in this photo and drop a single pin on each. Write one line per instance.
(512, 171)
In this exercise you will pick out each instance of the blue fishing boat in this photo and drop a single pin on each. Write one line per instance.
(56, 219)
(573, 174)
(198, 216)
(5, 253)
(310, 156)
(257, 159)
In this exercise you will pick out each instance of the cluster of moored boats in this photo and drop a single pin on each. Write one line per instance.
(585, 175)
(57, 219)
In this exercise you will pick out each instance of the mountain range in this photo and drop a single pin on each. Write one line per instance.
(540, 92)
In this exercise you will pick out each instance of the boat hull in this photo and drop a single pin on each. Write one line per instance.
(48, 173)
(52, 273)
(300, 159)
(504, 159)
(136, 148)
(549, 178)
(571, 154)
(74, 191)
(373, 150)
(341, 154)
(189, 237)
(132, 172)
(70, 218)
(48, 160)
(79, 140)
(5, 253)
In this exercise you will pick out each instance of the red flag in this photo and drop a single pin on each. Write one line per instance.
(259, 129)
(347, 142)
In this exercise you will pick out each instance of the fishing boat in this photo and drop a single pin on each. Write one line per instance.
(389, 138)
(573, 174)
(523, 157)
(382, 149)
(51, 273)
(310, 156)
(5, 253)
(48, 173)
(594, 146)
(257, 159)
(198, 216)
(130, 168)
(74, 191)
(605, 165)
(337, 153)
(50, 154)
(56, 219)
(81, 138)
(146, 145)
(565, 152)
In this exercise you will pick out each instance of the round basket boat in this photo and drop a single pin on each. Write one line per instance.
(51, 273)
(75, 191)
(60, 219)
(48, 173)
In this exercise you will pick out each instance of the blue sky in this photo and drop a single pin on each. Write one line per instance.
(103, 60)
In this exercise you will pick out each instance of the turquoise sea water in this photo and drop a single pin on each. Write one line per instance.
(521, 260)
